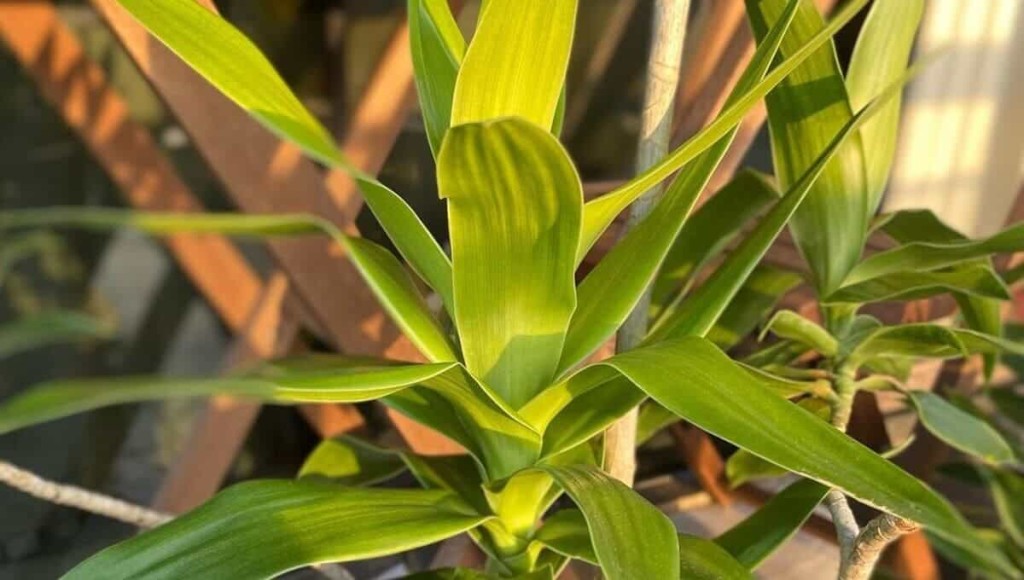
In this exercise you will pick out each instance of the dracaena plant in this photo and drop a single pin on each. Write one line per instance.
(509, 381)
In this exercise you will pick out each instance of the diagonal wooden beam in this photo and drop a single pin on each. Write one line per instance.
(77, 88)
(261, 174)
(54, 59)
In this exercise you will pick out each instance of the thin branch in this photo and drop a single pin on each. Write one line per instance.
(96, 503)
(668, 36)
(870, 544)
(76, 497)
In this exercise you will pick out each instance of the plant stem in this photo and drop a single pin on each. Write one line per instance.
(843, 519)
(76, 497)
(859, 550)
(870, 544)
(667, 38)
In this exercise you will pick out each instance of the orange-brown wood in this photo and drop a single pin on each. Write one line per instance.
(912, 558)
(52, 56)
(704, 460)
(78, 89)
(262, 174)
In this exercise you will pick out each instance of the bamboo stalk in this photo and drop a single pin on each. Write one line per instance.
(668, 36)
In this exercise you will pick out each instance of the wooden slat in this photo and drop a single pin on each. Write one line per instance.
(261, 175)
(77, 88)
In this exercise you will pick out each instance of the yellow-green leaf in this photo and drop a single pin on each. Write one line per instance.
(514, 208)
(880, 56)
(261, 529)
(516, 62)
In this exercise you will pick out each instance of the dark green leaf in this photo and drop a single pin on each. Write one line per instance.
(764, 531)
(804, 113)
(600, 213)
(975, 280)
(47, 328)
(922, 256)
(437, 52)
(702, 559)
(612, 289)
(714, 225)
(703, 386)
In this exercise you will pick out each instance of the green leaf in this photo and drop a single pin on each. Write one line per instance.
(566, 532)
(437, 52)
(880, 57)
(790, 325)
(702, 559)
(381, 270)
(653, 418)
(743, 466)
(928, 340)
(411, 238)
(909, 340)
(631, 538)
(923, 256)
(714, 225)
(1007, 489)
(754, 301)
(45, 244)
(960, 429)
(699, 311)
(981, 314)
(599, 213)
(764, 531)
(544, 573)
(1008, 402)
(516, 62)
(456, 473)
(279, 526)
(804, 113)
(976, 280)
(48, 328)
(442, 396)
(514, 207)
(610, 292)
(723, 399)
(232, 64)
(589, 414)
(347, 460)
